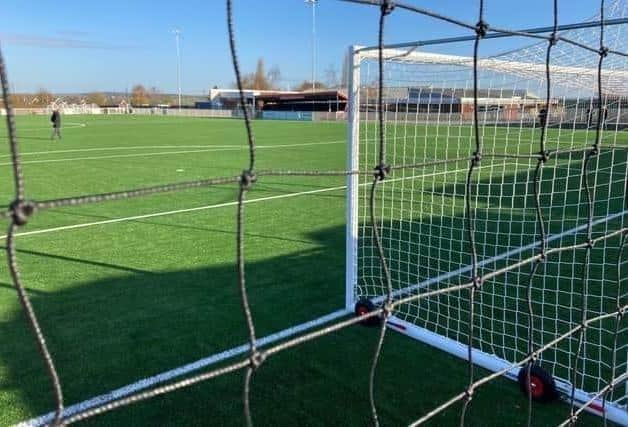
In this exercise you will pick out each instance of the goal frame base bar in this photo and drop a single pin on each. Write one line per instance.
(494, 363)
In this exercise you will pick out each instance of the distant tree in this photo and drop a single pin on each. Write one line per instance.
(331, 77)
(139, 96)
(307, 85)
(248, 81)
(345, 73)
(274, 77)
(157, 97)
(97, 98)
(74, 99)
(17, 101)
(260, 80)
(42, 98)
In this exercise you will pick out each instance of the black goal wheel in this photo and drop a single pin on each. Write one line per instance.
(365, 306)
(542, 385)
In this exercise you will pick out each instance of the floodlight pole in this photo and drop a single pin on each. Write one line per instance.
(313, 4)
(177, 34)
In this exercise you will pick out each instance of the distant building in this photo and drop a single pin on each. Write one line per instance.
(324, 100)
(276, 100)
(229, 99)
(510, 104)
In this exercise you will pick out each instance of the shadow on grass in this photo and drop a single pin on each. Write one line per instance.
(107, 333)
(114, 331)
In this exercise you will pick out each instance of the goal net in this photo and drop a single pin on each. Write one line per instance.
(430, 103)
(487, 209)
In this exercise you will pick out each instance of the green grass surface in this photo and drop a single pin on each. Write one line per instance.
(122, 301)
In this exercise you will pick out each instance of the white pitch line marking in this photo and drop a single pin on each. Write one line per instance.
(199, 364)
(166, 213)
(152, 147)
(220, 205)
(137, 147)
(163, 153)
(68, 125)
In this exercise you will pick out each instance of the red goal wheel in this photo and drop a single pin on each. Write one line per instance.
(363, 307)
(542, 386)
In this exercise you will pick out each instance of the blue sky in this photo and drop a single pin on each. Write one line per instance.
(81, 46)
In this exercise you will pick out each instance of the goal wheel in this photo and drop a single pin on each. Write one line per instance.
(364, 306)
(542, 385)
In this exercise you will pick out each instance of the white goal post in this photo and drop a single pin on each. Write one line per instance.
(428, 112)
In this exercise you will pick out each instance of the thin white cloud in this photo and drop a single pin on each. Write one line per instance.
(56, 42)
(71, 33)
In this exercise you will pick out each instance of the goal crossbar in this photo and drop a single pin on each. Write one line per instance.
(495, 34)
(616, 80)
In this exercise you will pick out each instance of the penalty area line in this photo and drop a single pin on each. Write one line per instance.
(164, 147)
(221, 205)
(178, 211)
(210, 360)
(163, 153)
(68, 125)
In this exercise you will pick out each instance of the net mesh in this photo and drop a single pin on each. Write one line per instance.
(563, 185)
(429, 109)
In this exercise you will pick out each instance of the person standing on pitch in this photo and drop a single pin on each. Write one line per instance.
(56, 124)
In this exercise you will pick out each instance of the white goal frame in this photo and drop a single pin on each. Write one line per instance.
(355, 56)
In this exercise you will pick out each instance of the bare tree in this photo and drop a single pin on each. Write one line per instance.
(331, 77)
(248, 81)
(17, 101)
(42, 98)
(345, 72)
(97, 98)
(73, 99)
(139, 96)
(157, 97)
(274, 77)
(306, 85)
(259, 80)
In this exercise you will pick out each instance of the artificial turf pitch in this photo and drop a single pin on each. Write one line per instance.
(121, 298)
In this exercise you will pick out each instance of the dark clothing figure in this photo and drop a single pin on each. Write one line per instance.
(55, 119)
(543, 117)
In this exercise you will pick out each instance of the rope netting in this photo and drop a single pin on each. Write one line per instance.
(21, 209)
